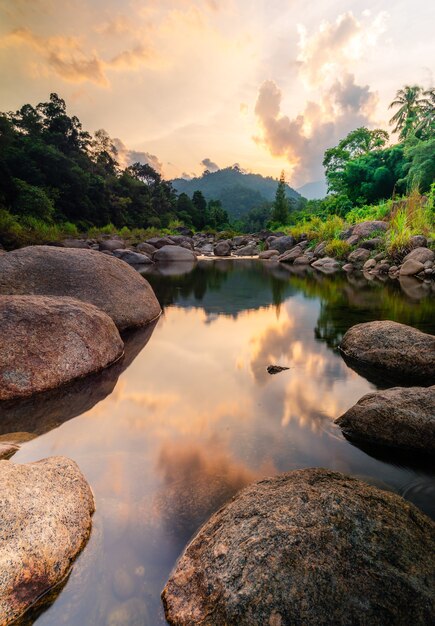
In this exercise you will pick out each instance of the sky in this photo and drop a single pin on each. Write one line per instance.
(192, 84)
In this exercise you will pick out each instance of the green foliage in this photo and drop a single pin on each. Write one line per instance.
(337, 248)
(239, 192)
(421, 163)
(369, 212)
(414, 215)
(416, 112)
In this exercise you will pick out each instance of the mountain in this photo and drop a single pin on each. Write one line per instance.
(314, 191)
(237, 191)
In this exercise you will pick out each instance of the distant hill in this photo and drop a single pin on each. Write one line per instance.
(316, 190)
(238, 192)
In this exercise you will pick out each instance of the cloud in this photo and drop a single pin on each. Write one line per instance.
(338, 104)
(304, 139)
(63, 55)
(66, 57)
(210, 165)
(126, 157)
(197, 478)
(337, 45)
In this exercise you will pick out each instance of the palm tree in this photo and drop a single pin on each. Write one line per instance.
(410, 104)
(426, 126)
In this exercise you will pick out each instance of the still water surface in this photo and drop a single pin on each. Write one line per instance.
(192, 416)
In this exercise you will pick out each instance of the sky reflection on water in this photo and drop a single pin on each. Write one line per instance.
(195, 417)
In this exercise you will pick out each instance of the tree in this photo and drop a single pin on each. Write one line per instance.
(200, 208)
(411, 104)
(280, 206)
(357, 143)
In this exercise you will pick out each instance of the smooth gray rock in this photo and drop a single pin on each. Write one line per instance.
(222, 248)
(132, 258)
(282, 244)
(112, 244)
(309, 547)
(173, 253)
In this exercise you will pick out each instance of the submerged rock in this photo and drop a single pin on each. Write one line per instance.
(308, 547)
(45, 521)
(46, 342)
(396, 350)
(107, 282)
(276, 369)
(399, 417)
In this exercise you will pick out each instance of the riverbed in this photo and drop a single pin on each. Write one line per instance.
(192, 416)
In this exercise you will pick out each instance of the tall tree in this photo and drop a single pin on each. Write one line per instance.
(280, 206)
(411, 103)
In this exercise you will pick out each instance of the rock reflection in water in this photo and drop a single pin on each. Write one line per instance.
(41, 413)
(195, 417)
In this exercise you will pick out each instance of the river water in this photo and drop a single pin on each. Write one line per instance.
(192, 415)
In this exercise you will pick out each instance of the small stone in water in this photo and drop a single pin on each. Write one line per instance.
(276, 369)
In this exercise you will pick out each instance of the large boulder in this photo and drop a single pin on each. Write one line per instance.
(421, 255)
(282, 244)
(308, 547)
(291, 255)
(222, 248)
(102, 280)
(173, 253)
(411, 267)
(249, 250)
(399, 417)
(365, 229)
(109, 245)
(45, 521)
(358, 257)
(396, 350)
(46, 342)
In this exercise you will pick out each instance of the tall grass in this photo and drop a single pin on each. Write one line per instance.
(413, 216)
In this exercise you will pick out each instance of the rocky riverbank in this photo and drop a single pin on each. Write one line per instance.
(362, 250)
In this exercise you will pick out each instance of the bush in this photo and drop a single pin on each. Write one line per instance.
(337, 248)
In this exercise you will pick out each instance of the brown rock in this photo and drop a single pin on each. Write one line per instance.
(268, 254)
(7, 449)
(411, 268)
(364, 229)
(46, 342)
(358, 257)
(308, 547)
(45, 520)
(399, 417)
(420, 254)
(102, 280)
(394, 349)
(291, 255)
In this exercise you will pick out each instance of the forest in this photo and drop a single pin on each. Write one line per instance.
(57, 179)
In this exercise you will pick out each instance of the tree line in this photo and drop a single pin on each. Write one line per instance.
(52, 170)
